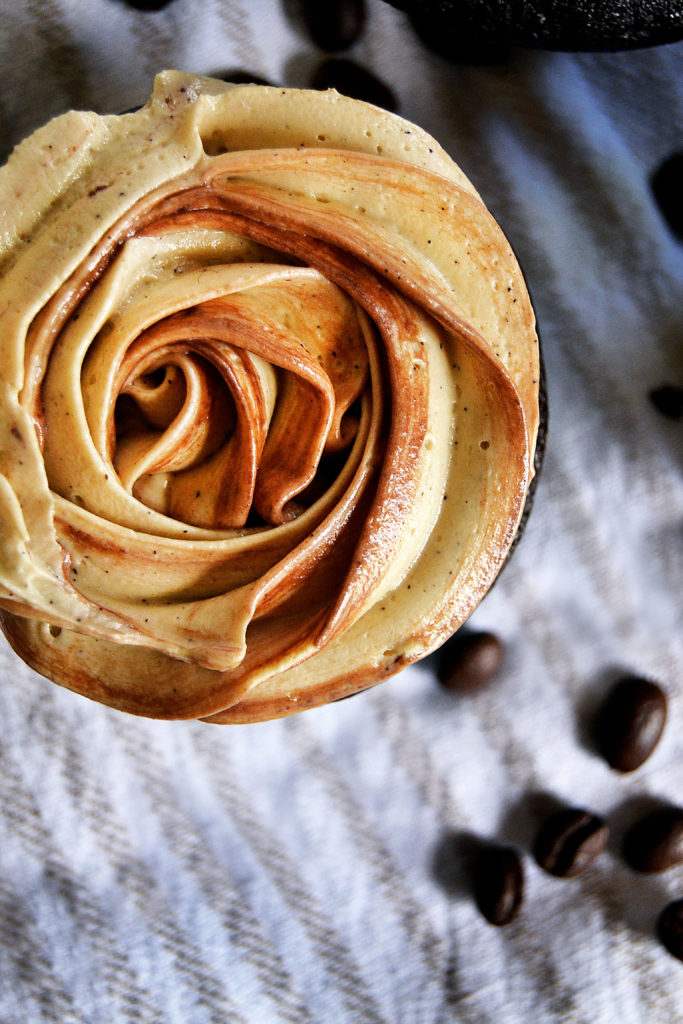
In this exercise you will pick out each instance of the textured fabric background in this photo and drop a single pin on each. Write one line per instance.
(308, 870)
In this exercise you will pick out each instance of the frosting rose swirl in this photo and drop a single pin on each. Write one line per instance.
(269, 400)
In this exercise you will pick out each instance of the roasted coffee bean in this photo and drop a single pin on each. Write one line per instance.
(498, 883)
(569, 842)
(352, 80)
(631, 722)
(668, 399)
(655, 842)
(469, 661)
(670, 928)
(148, 5)
(336, 24)
(667, 188)
(239, 76)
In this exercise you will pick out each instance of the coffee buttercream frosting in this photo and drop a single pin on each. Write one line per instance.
(269, 399)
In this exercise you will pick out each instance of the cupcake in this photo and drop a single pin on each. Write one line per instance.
(269, 400)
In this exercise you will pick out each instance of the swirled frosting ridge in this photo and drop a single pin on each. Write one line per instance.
(269, 399)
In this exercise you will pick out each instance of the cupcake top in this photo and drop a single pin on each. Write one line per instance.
(269, 399)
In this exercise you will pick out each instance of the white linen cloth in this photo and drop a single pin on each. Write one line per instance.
(179, 873)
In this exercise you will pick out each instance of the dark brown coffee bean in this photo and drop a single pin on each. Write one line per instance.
(148, 5)
(469, 661)
(667, 188)
(569, 842)
(239, 76)
(352, 80)
(655, 842)
(631, 722)
(670, 928)
(668, 400)
(498, 883)
(336, 24)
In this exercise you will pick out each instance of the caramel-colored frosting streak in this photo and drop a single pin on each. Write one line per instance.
(269, 400)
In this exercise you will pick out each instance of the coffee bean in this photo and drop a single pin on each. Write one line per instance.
(498, 883)
(655, 842)
(569, 842)
(667, 189)
(148, 5)
(352, 80)
(239, 76)
(668, 399)
(670, 928)
(336, 24)
(631, 722)
(469, 661)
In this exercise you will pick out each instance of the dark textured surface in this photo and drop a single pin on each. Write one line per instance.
(457, 46)
(556, 24)
(539, 453)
